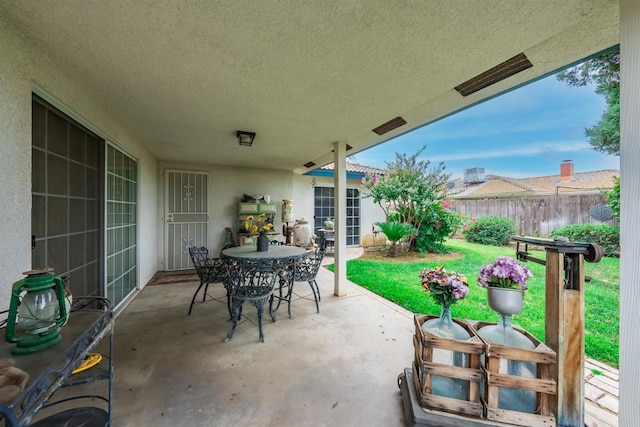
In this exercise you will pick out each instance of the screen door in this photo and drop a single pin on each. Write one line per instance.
(186, 217)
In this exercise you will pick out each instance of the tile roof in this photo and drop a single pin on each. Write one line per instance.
(355, 167)
(499, 186)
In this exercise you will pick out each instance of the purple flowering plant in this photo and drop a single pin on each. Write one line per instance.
(445, 288)
(504, 272)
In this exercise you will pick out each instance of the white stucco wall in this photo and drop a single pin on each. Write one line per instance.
(225, 189)
(303, 203)
(22, 69)
(303, 196)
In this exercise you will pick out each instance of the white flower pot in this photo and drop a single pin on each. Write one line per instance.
(505, 301)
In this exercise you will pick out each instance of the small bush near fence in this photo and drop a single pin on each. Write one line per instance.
(438, 222)
(491, 230)
(604, 235)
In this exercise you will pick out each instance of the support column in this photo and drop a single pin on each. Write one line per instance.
(340, 212)
(629, 410)
(564, 333)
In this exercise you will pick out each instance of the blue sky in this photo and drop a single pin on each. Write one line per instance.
(524, 133)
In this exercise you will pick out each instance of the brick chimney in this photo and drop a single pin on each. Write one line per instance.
(566, 171)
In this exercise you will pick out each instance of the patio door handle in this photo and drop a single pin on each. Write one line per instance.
(33, 241)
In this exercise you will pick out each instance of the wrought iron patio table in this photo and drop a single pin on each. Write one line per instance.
(252, 276)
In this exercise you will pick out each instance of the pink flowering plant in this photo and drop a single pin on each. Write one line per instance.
(504, 272)
(445, 288)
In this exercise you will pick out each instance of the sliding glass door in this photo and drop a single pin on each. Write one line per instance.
(76, 178)
(122, 196)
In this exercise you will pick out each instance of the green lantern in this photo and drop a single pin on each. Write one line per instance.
(37, 312)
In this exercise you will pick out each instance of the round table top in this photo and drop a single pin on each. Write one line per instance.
(274, 252)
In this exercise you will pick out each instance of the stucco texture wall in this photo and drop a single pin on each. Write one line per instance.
(24, 69)
(225, 188)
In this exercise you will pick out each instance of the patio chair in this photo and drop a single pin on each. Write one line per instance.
(306, 270)
(210, 270)
(252, 281)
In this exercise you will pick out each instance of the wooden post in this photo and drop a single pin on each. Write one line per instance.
(564, 333)
(564, 320)
(570, 338)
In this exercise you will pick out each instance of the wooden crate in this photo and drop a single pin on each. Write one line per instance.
(424, 368)
(544, 386)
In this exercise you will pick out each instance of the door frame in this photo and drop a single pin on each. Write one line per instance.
(320, 223)
(165, 227)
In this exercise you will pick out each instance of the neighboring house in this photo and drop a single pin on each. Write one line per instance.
(313, 198)
(537, 204)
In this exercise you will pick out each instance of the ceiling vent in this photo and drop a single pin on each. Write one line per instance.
(309, 164)
(390, 125)
(500, 72)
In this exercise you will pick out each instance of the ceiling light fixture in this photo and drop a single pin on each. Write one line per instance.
(245, 138)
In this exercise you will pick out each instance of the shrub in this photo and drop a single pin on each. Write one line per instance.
(438, 221)
(395, 231)
(604, 235)
(491, 230)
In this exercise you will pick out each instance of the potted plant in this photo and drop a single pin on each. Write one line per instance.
(328, 223)
(505, 280)
(260, 225)
(446, 289)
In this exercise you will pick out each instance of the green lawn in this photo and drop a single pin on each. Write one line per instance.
(400, 282)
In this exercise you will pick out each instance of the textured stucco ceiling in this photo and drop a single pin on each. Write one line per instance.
(183, 76)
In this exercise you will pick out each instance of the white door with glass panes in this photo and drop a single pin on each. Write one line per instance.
(324, 209)
(186, 216)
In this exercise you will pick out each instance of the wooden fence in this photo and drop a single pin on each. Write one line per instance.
(536, 216)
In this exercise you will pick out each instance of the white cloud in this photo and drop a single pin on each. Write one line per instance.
(524, 150)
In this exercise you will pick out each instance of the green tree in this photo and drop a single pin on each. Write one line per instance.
(613, 198)
(604, 71)
(408, 187)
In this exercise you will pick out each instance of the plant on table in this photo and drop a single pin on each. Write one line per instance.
(260, 224)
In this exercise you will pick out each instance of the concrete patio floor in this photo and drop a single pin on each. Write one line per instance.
(335, 368)
(338, 367)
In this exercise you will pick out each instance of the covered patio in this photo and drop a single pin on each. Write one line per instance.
(162, 87)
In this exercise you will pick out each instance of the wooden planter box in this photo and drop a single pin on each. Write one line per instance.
(424, 369)
(544, 386)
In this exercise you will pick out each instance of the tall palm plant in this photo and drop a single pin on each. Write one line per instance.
(395, 231)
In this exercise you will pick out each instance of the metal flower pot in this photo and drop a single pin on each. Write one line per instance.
(505, 301)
